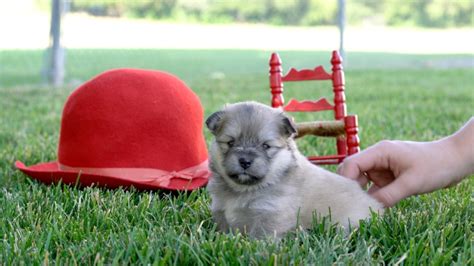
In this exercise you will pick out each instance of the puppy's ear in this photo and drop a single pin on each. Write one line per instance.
(289, 126)
(213, 122)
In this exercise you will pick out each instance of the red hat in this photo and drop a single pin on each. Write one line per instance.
(130, 127)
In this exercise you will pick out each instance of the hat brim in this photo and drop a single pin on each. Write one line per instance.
(50, 173)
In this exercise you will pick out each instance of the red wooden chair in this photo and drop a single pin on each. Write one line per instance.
(344, 128)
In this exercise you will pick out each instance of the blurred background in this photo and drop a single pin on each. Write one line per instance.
(67, 41)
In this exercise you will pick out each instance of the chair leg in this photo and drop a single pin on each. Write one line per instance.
(341, 147)
(352, 130)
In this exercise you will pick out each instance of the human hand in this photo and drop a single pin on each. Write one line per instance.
(399, 169)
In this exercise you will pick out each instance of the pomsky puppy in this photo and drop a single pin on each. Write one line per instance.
(263, 186)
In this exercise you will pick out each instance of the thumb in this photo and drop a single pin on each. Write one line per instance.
(373, 158)
(392, 193)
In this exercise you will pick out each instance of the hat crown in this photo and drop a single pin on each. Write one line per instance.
(132, 118)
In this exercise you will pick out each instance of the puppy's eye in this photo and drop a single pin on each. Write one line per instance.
(230, 143)
(266, 146)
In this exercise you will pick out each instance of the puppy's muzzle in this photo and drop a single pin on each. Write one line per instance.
(245, 163)
(245, 179)
(246, 158)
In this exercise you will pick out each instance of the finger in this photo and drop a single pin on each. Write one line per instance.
(363, 180)
(391, 194)
(350, 169)
(374, 188)
(372, 158)
(381, 178)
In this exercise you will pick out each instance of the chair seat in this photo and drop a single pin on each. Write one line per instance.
(327, 159)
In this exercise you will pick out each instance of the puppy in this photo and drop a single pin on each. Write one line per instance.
(263, 186)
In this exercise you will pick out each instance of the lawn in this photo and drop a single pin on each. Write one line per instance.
(395, 97)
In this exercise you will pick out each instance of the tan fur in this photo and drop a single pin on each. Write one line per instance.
(290, 190)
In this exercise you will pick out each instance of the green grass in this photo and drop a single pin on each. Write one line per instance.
(68, 225)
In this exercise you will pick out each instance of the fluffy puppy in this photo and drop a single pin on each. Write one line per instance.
(263, 186)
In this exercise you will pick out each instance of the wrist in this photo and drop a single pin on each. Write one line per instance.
(460, 146)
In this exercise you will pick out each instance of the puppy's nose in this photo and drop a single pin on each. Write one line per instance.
(245, 163)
